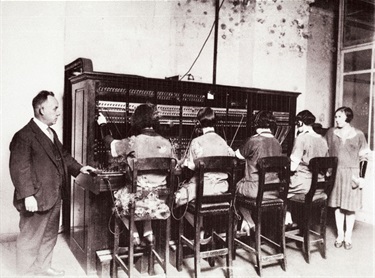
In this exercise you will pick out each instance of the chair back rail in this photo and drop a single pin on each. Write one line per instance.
(208, 207)
(326, 166)
(273, 164)
(221, 164)
(314, 201)
(156, 165)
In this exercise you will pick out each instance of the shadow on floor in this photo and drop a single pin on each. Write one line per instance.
(358, 262)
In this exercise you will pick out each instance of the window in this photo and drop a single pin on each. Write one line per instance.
(356, 66)
(359, 25)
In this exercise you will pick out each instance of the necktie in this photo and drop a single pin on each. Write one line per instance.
(50, 133)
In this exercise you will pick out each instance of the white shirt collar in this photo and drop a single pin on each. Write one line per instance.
(310, 132)
(207, 129)
(347, 135)
(266, 132)
(42, 126)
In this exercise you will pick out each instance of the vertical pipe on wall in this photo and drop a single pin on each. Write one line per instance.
(217, 8)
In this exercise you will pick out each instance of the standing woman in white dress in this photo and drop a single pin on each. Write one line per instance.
(350, 146)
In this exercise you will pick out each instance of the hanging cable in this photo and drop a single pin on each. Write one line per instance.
(235, 134)
(204, 44)
(188, 146)
(115, 209)
(107, 116)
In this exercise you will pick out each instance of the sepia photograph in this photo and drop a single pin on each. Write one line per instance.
(187, 138)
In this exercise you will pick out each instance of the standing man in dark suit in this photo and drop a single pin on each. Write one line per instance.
(39, 169)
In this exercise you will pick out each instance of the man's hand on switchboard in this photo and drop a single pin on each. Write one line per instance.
(101, 119)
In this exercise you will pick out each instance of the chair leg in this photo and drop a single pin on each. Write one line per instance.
(234, 234)
(323, 223)
(258, 242)
(282, 237)
(166, 246)
(115, 248)
(131, 247)
(229, 242)
(179, 251)
(150, 253)
(211, 260)
(197, 257)
(306, 237)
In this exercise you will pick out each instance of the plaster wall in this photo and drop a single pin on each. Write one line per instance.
(153, 39)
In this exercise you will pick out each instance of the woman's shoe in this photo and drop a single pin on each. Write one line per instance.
(136, 240)
(348, 245)
(204, 238)
(149, 239)
(245, 228)
(338, 244)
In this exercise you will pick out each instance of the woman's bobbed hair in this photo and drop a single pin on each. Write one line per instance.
(264, 119)
(206, 117)
(348, 112)
(306, 117)
(145, 115)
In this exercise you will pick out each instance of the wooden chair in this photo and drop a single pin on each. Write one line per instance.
(260, 206)
(124, 256)
(210, 206)
(315, 201)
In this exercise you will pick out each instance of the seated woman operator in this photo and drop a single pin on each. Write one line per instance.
(262, 144)
(307, 145)
(208, 144)
(147, 143)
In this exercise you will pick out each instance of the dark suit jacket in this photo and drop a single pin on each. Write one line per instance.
(34, 167)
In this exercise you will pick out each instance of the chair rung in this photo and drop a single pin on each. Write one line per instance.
(121, 263)
(124, 250)
(275, 257)
(187, 241)
(219, 238)
(295, 237)
(158, 258)
(270, 241)
(315, 233)
(214, 253)
(124, 256)
(292, 232)
(245, 246)
(317, 240)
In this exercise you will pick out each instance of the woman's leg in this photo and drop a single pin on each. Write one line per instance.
(147, 231)
(147, 227)
(248, 222)
(340, 217)
(136, 239)
(350, 219)
(185, 194)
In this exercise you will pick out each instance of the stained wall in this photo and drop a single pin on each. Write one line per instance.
(274, 44)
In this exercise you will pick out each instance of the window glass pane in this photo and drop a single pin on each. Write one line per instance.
(357, 97)
(358, 22)
(357, 60)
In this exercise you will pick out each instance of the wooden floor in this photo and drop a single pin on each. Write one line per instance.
(358, 262)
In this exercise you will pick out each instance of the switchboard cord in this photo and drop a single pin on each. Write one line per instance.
(235, 134)
(223, 129)
(188, 146)
(186, 205)
(204, 44)
(107, 116)
(233, 204)
(115, 210)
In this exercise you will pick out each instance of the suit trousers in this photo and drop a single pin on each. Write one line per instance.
(37, 239)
